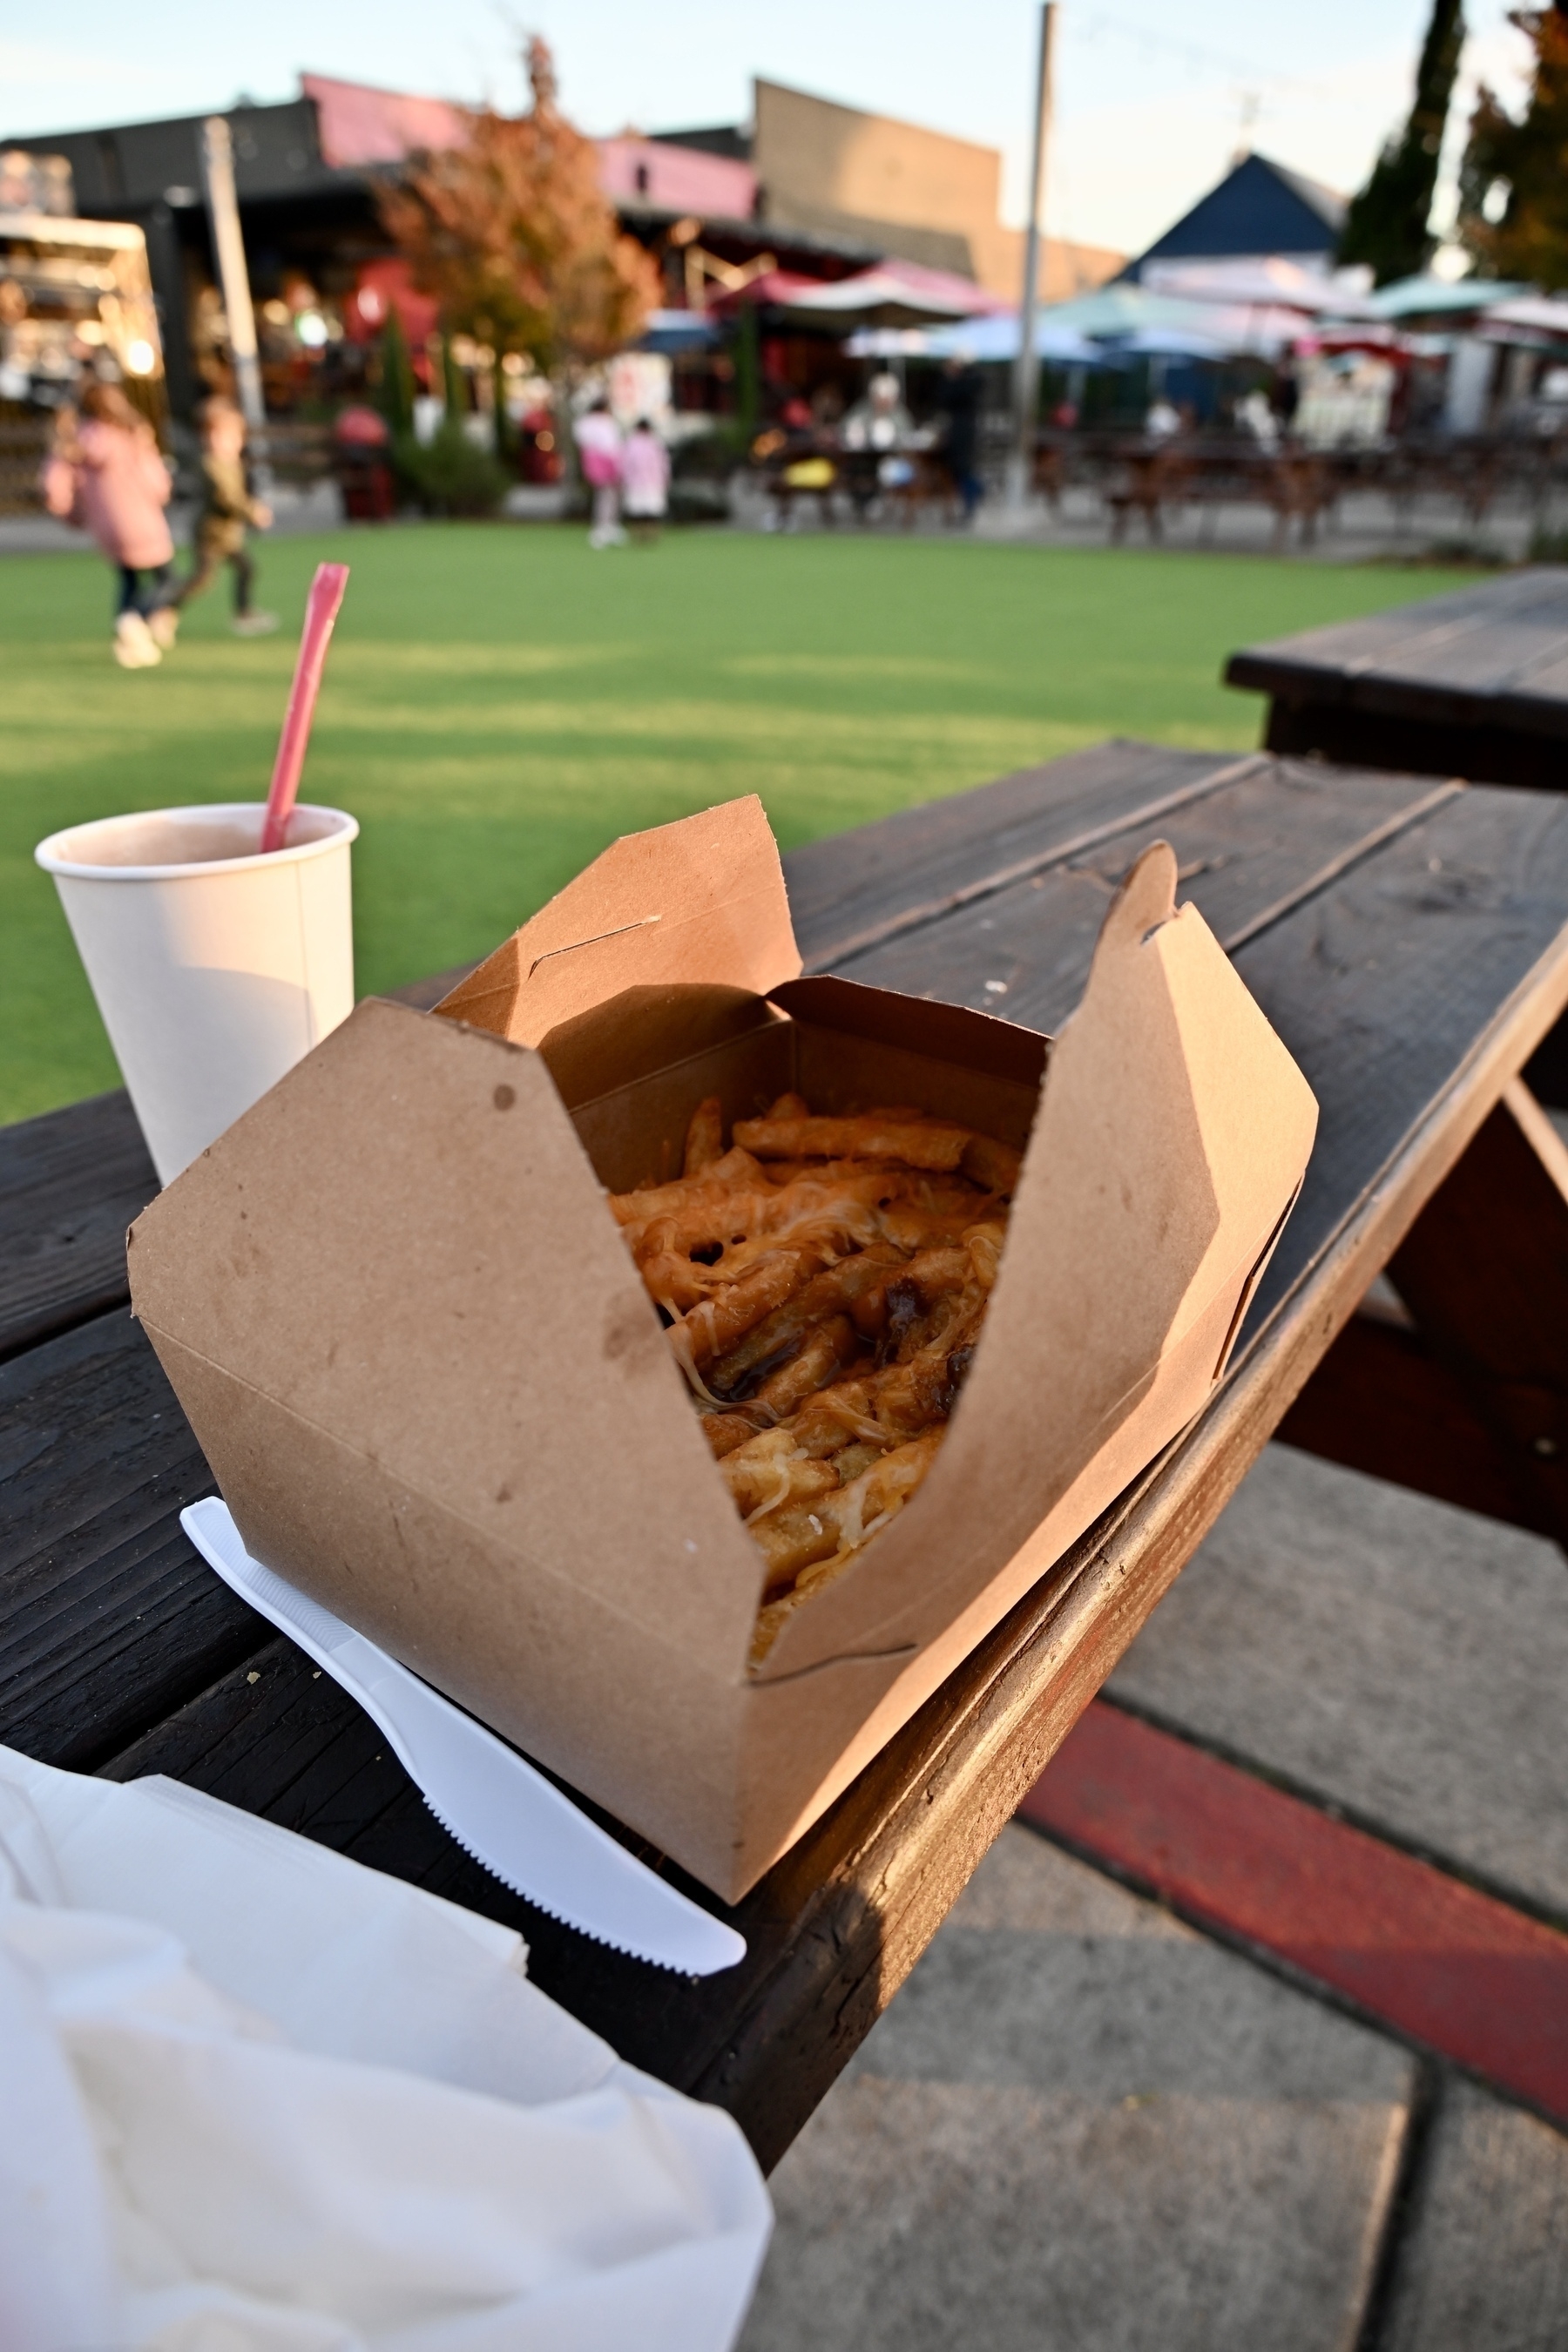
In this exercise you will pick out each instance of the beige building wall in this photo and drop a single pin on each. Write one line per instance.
(832, 171)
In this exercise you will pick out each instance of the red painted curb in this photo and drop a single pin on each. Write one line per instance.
(1481, 1983)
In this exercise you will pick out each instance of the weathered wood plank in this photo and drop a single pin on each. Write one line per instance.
(1384, 987)
(1450, 659)
(1473, 685)
(857, 888)
(106, 1617)
(70, 1183)
(1245, 848)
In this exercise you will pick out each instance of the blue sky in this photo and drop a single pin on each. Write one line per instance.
(1151, 99)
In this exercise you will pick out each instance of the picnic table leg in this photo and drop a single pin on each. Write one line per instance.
(1484, 1271)
(1468, 1401)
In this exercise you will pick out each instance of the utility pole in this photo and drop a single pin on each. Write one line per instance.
(223, 211)
(1027, 371)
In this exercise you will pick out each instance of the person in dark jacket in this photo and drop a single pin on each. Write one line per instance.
(959, 395)
(227, 510)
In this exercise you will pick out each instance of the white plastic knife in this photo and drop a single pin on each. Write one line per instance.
(483, 1793)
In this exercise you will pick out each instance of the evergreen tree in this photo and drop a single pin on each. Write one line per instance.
(1386, 224)
(1513, 188)
(395, 392)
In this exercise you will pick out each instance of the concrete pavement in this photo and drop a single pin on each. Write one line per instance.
(1081, 2127)
(1084, 2126)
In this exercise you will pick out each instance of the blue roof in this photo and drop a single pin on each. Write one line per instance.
(1257, 207)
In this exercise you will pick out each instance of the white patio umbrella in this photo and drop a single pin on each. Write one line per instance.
(893, 294)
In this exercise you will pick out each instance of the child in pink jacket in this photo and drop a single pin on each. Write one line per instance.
(106, 476)
(644, 482)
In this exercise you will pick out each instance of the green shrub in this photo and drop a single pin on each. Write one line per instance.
(449, 475)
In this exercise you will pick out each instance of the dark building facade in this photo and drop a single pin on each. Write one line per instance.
(295, 207)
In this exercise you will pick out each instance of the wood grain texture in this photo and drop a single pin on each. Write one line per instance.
(106, 1617)
(1491, 655)
(1387, 987)
(70, 1183)
(1250, 845)
(851, 890)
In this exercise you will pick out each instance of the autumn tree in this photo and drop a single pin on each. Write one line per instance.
(1513, 186)
(1386, 224)
(513, 235)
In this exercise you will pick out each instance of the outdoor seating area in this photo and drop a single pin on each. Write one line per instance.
(784, 1194)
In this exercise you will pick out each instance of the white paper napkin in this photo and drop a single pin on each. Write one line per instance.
(258, 2098)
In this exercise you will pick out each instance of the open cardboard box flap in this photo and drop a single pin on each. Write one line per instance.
(701, 900)
(424, 1368)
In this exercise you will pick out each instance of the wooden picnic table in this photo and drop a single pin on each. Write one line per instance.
(1408, 941)
(1474, 684)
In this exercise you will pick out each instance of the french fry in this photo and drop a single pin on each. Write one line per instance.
(838, 1415)
(704, 1137)
(924, 1143)
(726, 1432)
(667, 1200)
(807, 1544)
(912, 1396)
(754, 1472)
(857, 1455)
(718, 1217)
(994, 1165)
(672, 1281)
(709, 1329)
(835, 1291)
(823, 1355)
(910, 1228)
(984, 1243)
(771, 1473)
(826, 1280)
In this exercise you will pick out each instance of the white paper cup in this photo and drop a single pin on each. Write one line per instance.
(215, 968)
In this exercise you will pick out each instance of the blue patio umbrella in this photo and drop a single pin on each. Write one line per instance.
(997, 338)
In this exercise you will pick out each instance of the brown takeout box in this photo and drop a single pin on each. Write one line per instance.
(423, 1367)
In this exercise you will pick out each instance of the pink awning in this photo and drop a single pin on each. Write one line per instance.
(358, 125)
(676, 179)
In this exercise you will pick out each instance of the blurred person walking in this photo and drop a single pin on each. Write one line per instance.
(959, 396)
(105, 475)
(598, 438)
(227, 509)
(644, 482)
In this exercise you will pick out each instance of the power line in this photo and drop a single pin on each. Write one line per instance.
(1195, 54)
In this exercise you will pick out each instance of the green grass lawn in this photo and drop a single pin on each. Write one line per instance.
(501, 702)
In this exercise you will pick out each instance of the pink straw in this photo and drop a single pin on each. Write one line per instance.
(320, 612)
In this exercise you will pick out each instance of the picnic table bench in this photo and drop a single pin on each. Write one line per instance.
(1409, 942)
(1474, 684)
